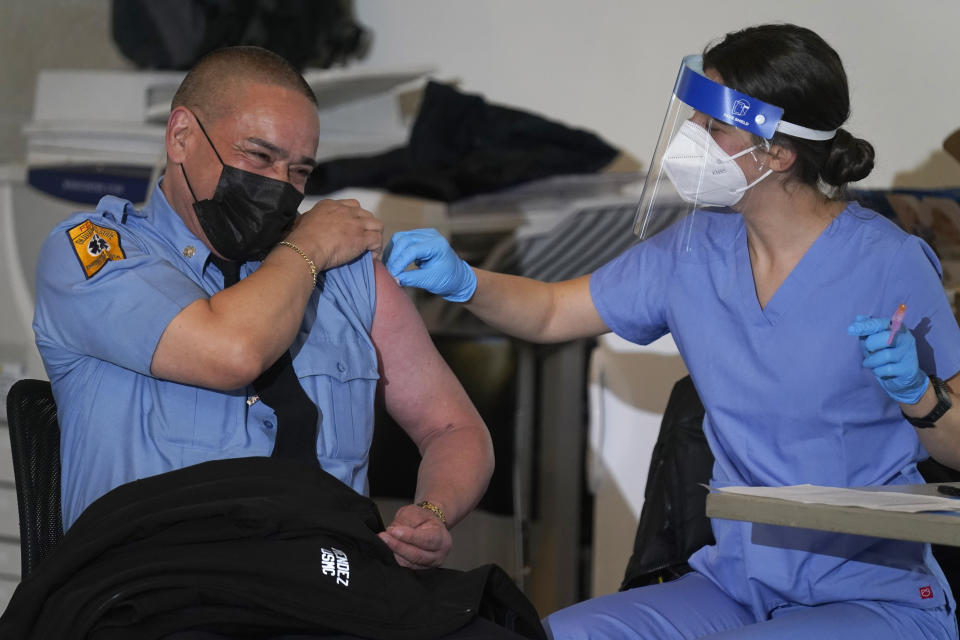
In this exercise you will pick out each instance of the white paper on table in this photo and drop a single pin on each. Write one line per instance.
(882, 500)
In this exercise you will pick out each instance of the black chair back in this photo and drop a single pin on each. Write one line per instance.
(35, 444)
(673, 522)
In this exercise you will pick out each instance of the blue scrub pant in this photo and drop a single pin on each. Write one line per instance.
(693, 607)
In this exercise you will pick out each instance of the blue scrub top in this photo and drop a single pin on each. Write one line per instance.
(787, 399)
(97, 325)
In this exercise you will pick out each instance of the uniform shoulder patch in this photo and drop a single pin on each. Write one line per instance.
(94, 246)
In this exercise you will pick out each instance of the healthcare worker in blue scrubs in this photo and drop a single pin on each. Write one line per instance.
(779, 294)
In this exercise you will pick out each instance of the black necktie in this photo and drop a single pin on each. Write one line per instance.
(279, 388)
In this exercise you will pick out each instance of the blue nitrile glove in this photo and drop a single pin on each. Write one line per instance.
(441, 271)
(895, 366)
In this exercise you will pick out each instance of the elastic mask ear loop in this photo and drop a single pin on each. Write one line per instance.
(757, 181)
(742, 189)
(210, 142)
(187, 180)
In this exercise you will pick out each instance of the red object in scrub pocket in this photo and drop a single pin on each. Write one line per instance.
(926, 592)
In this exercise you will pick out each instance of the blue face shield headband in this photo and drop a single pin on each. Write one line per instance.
(735, 108)
(689, 170)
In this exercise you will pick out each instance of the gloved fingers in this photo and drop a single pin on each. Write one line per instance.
(391, 255)
(893, 377)
(867, 326)
(902, 346)
(403, 252)
(413, 278)
(403, 237)
(409, 246)
(387, 250)
(895, 365)
(881, 358)
(878, 342)
(900, 333)
(901, 350)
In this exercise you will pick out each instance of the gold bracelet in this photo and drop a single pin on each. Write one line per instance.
(429, 506)
(313, 267)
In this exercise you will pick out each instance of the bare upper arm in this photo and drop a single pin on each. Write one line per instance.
(420, 391)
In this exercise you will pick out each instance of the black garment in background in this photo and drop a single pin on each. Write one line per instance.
(175, 34)
(279, 388)
(461, 146)
(673, 522)
(233, 547)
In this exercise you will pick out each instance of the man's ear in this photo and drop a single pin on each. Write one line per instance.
(180, 127)
(781, 158)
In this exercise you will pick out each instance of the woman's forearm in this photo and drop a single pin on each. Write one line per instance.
(536, 311)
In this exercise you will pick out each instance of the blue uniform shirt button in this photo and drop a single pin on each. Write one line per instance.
(268, 424)
(341, 367)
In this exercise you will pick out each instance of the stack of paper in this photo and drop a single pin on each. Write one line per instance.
(884, 500)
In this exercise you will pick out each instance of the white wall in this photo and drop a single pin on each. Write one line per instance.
(606, 65)
(43, 34)
(34, 35)
(609, 65)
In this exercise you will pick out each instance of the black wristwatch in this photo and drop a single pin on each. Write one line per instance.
(943, 405)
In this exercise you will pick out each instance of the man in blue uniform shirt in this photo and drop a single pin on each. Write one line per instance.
(153, 356)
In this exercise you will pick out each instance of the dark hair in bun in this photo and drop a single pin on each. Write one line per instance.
(793, 68)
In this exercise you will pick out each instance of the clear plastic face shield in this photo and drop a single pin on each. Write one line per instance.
(711, 151)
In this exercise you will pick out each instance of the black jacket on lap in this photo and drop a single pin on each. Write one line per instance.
(249, 548)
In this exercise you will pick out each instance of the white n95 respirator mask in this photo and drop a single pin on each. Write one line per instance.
(702, 172)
